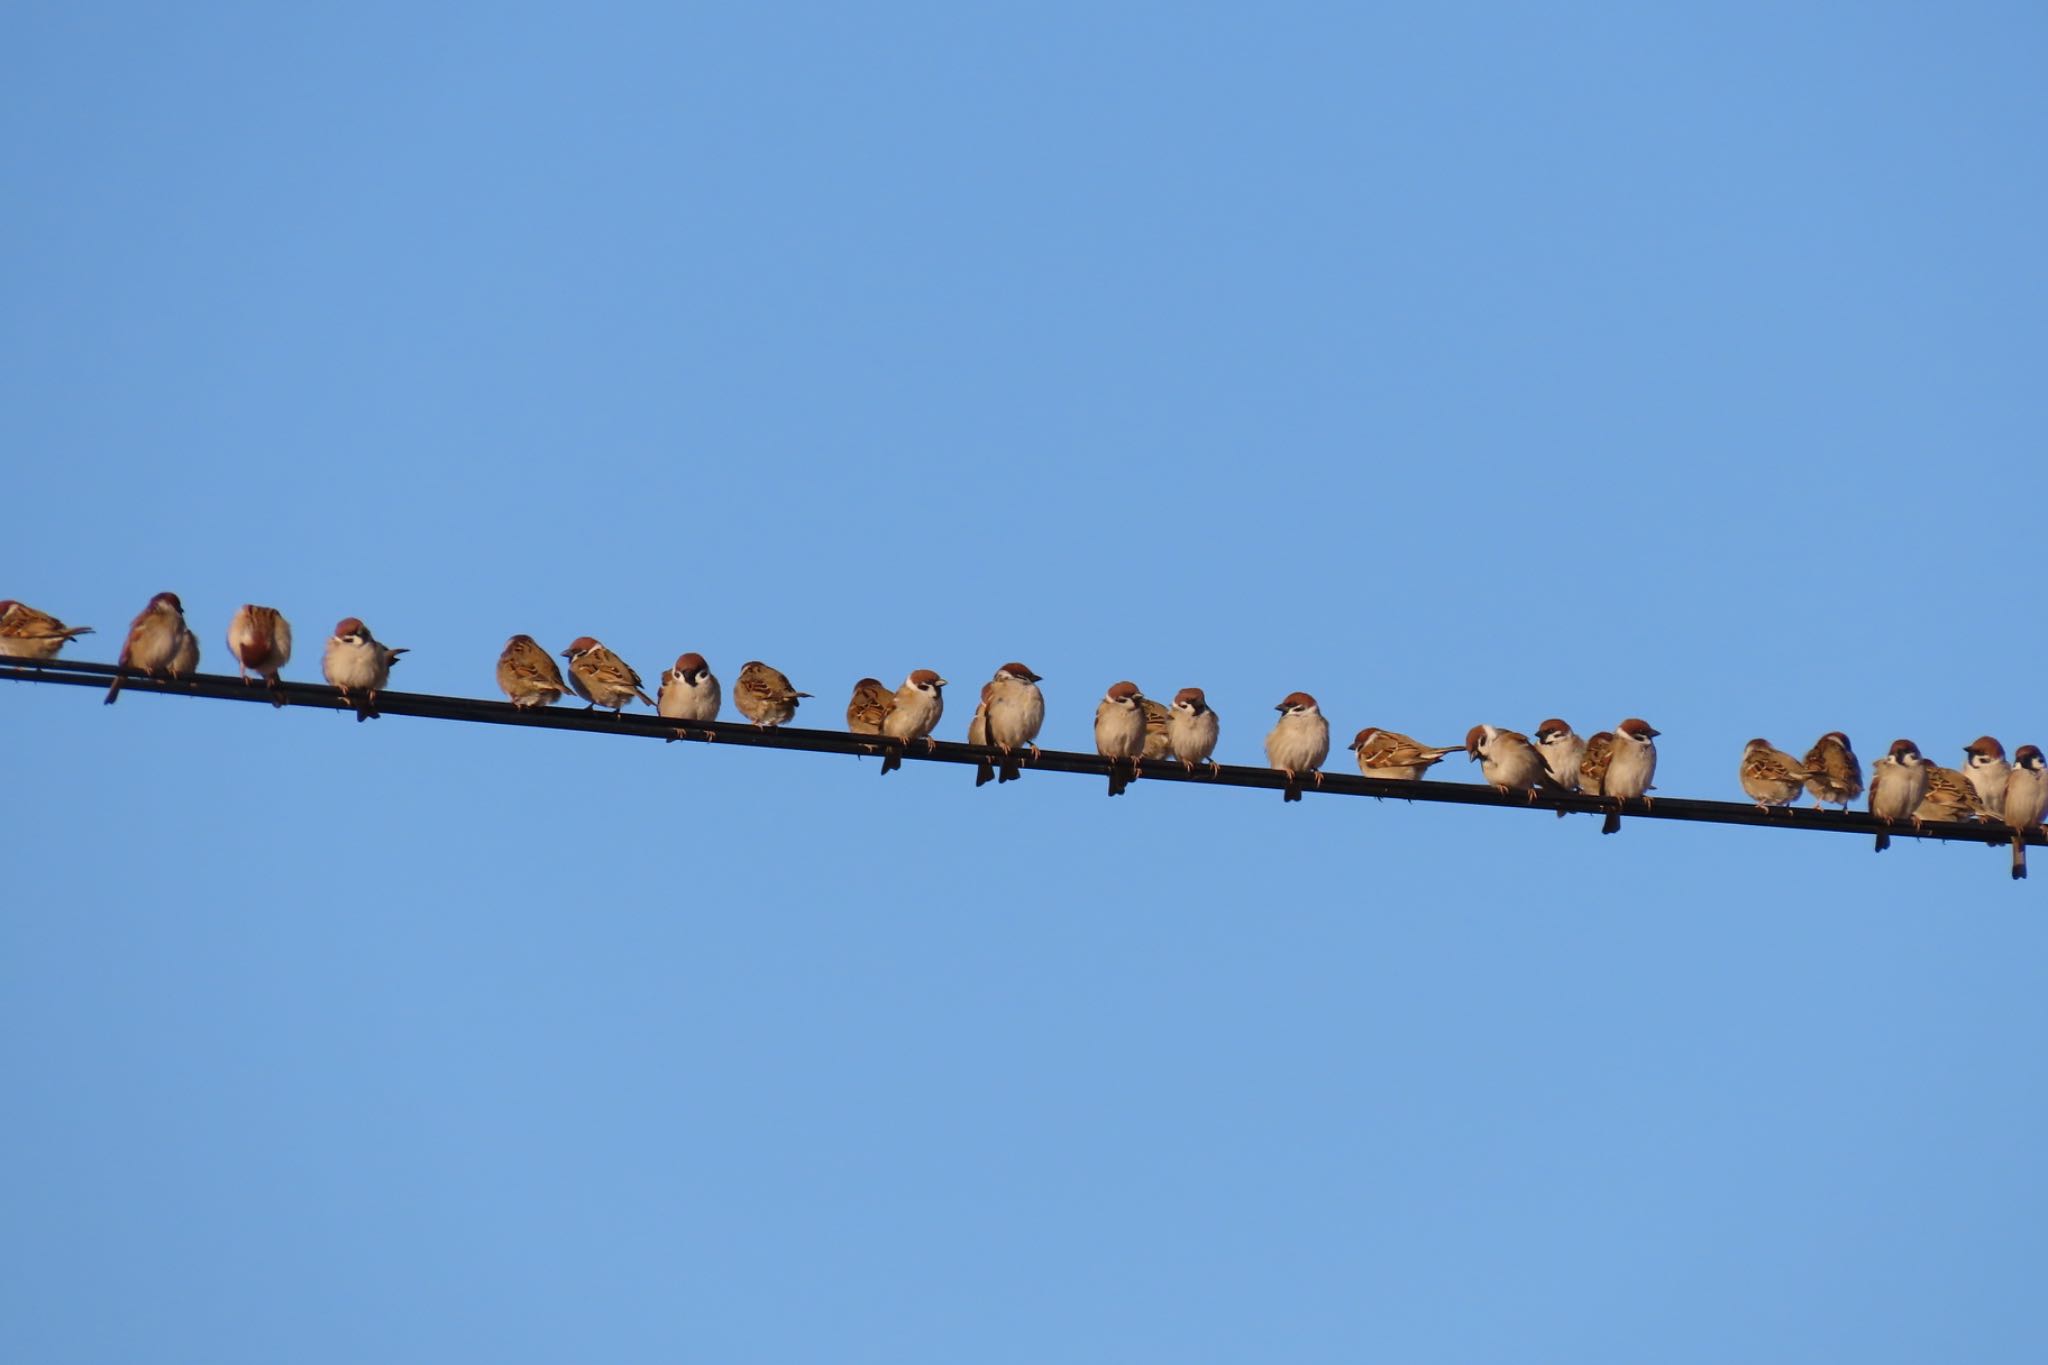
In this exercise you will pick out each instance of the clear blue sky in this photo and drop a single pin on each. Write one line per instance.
(1451, 362)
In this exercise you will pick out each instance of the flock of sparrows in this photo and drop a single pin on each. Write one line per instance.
(1130, 728)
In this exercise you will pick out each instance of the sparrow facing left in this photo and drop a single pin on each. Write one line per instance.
(355, 661)
(1393, 755)
(1298, 742)
(26, 633)
(1508, 760)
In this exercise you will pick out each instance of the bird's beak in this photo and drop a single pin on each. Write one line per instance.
(940, 683)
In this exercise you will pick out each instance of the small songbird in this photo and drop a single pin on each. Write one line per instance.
(1630, 770)
(158, 642)
(1837, 776)
(1508, 760)
(919, 704)
(977, 725)
(1391, 754)
(527, 674)
(1191, 730)
(1120, 733)
(260, 638)
(869, 706)
(2026, 801)
(601, 677)
(1157, 717)
(689, 691)
(356, 662)
(1897, 783)
(1988, 771)
(1770, 777)
(26, 633)
(1562, 749)
(1298, 742)
(1593, 763)
(1949, 797)
(1016, 710)
(764, 696)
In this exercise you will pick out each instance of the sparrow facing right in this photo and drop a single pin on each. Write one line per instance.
(920, 702)
(26, 633)
(158, 642)
(1949, 797)
(1015, 712)
(355, 661)
(1898, 781)
(1298, 742)
(2026, 801)
(764, 696)
(527, 674)
(260, 638)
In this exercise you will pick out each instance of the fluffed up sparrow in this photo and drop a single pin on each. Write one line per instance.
(689, 691)
(1770, 777)
(1015, 711)
(26, 633)
(1837, 778)
(1987, 770)
(356, 662)
(1298, 742)
(2026, 801)
(527, 674)
(868, 707)
(1508, 760)
(1392, 755)
(158, 642)
(920, 702)
(764, 696)
(1898, 781)
(1949, 797)
(601, 677)
(1120, 733)
(261, 639)
(1631, 770)
(1191, 730)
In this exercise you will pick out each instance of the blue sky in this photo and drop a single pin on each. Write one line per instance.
(1455, 363)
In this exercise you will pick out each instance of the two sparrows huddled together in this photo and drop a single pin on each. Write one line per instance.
(1904, 785)
(160, 644)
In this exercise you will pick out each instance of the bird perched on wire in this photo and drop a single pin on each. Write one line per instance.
(689, 691)
(869, 706)
(764, 696)
(1898, 781)
(1593, 763)
(158, 643)
(527, 674)
(919, 704)
(1630, 770)
(357, 665)
(26, 633)
(1298, 742)
(261, 639)
(1949, 797)
(2026, 801)
(1158, 716)
(1837, 778)
(1770, 777)
(1562, 749)
(1191, 730)
(1015, 710)
(1984, 764)
(1393, 756)
(1120, 733)
(1509, 762)
(601, 677)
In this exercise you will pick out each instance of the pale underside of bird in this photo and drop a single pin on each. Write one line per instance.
(918, 706)
(358, 665)
(689, 691)
(1898, 782)
(1120, 734)
(1013, 712)
(158, 644)
(1298, 743)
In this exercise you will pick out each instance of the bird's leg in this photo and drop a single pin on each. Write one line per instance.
(1319, 779)
(931, 746)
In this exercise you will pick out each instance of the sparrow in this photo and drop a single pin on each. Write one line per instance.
(1837, 776)
(1561, 749)
(1016, 710)
(1298, 742)
(601, 677)
(1897, 783)
(689, 691)
(977, 727)
(158, 642)
(356, 662)
(1949, 797)
(1770, 777)
(1391, 754)
(1508, 760)
(871, 703)
(919, 704)
(1630, 770)
(1191, 729)
(26, 633)
(2026, 800)
(1120, 733)
(1157, 714)
(528, 675)
(260, 638)
(1987, 770)
(764, 696)
(1593, 763)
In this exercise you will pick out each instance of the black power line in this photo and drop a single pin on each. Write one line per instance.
(429, 707)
